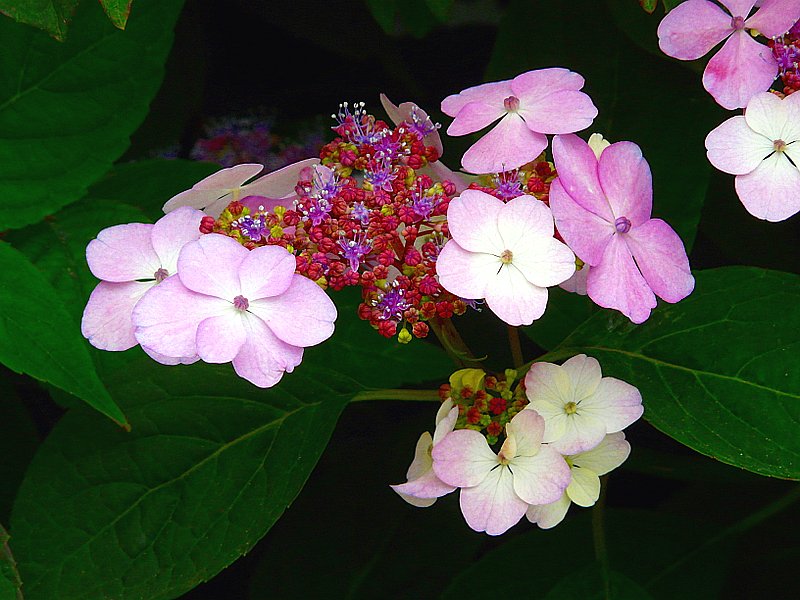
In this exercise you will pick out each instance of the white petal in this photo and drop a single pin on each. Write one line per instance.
(446, 424)
(527, 429)
(607, 456)
(464, 273)
(615, 403)
(492, 506)
(584, 489)
(540, 479)
(544, 261)
(547, 516)
(772, 190)
(585, 375)
(463, 458)
(582, 433)
(422, 462)
(515, 299)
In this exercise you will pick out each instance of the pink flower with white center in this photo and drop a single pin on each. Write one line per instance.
(228, 304)
(762, 148)
(602, 211)
(423, 487)
(743, 67)
(496, 489)
(584, 486)
(130, 259)
(216, 191)
(529, 106)
(505, 253)
(578, 404)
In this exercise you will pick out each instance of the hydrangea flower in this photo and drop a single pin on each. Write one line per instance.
(602, 211)
(216, 191)
(762, 148)
(229, 304)
(743, 67)
(505, 253)
(423, 487)
(130, 259)
(578, 404)
(584, 486)
(529, 106)
(496, 489)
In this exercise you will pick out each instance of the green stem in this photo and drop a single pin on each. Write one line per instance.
(405, 395)
(453, 343)
(5, 555)
(516, 346)
(599, 537)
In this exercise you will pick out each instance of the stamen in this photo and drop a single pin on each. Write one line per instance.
(160, 275)
(623, 225)
(737, 23)
(511, 103)
(241, 303)
(506, 256)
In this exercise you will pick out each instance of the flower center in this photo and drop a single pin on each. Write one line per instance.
(241, 303)
(779, 145)
(623, 225)
(570, 408)
(506, 256)
(511, 103)
(160, 275)
(737, 23)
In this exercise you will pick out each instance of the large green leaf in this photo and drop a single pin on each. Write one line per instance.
(53, 16)
(118, 11)
(67, 110)
(719, 371)
(39, 337)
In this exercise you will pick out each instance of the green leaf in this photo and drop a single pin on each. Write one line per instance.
(588, 584)
(53, 16)
(118, 11)
(440, 8)
(719, 370)
(565, 311)
(39, 337)
(385, 13)
(209, 466)
(649, 5)
(67, 110)
(18, 443)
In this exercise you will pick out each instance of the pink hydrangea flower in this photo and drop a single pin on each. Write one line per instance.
(215, 192)
(580, 406)
(529, 106)
(131, 259)
(423, 487)
(228, 304)
(584, 486)
(602, 210)
(762, 148)
(743, 67)
(505, 253)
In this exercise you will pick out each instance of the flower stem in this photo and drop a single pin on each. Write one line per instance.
(405, 395)
(453, 343)
(599, 536)
(5, 555)
(516, 346)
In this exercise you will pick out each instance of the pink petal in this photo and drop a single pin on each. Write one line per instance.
(166, 318)
(775, 17)
(280, 183)
(692, 29)
(123, 253)
(733, 147)
(510, 144)
(577, 169)
(514, 299)
(426, 486)
(466, 274)
(585, 233)
(582, 431)
(560, 112)
(264, 358)
(475, 116)
(463, 458)
(489, 93)
(739, 8)
(211, 266)
(626, 181)
(577, 283)
(493, 506)
(169, 360)
(472, 220)
(774, 118)
(266, 272)
(616, 283)
(614, 403)
(301, 316)
(211, 202)
(206, 193)
(527, 427)
(547, 516)
(521, 217)
(405, 112)
(106, 319)
(230, 178)
(542, 478)
(172, 232)
(220, 338)
(741, 69)
(539, 83)
(772, 190)
(441, 172)
(392, 110)
(662, 259)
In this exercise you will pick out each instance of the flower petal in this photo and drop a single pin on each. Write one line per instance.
(615, 282)
(466, 274)
(447, 423)
(739, 8)
(626, 181)
(586, 234)
(472, 220)
(301, 316)
(584, 489)
(741, 69)
(515, 299)
(510, 144)
(220, 338)
(775, 17)
(264, 358)
(607, 456)
(493, 506)
(424, 490)
(489, 93)
(266, 272)
(474, 116)
(540, 479)
(539, 83)
(422, 462)
(662, 260)
(463, 458)
(615, 403)
(123, 253)
(106, 321)
(583, 431)
(213, 193)
(733, 147)
(577, 167)
(547, 516)
(774, 118)
(172, 232)
(584, 374)
(280, 183)
(577, 283)
(563, 111)
(692, 29)
(211, 266)
(521, 217)
(772, 190)
(544, 261)
(527, 427)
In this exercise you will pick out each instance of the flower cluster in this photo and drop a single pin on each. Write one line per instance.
(786, 50)
(561, 430)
